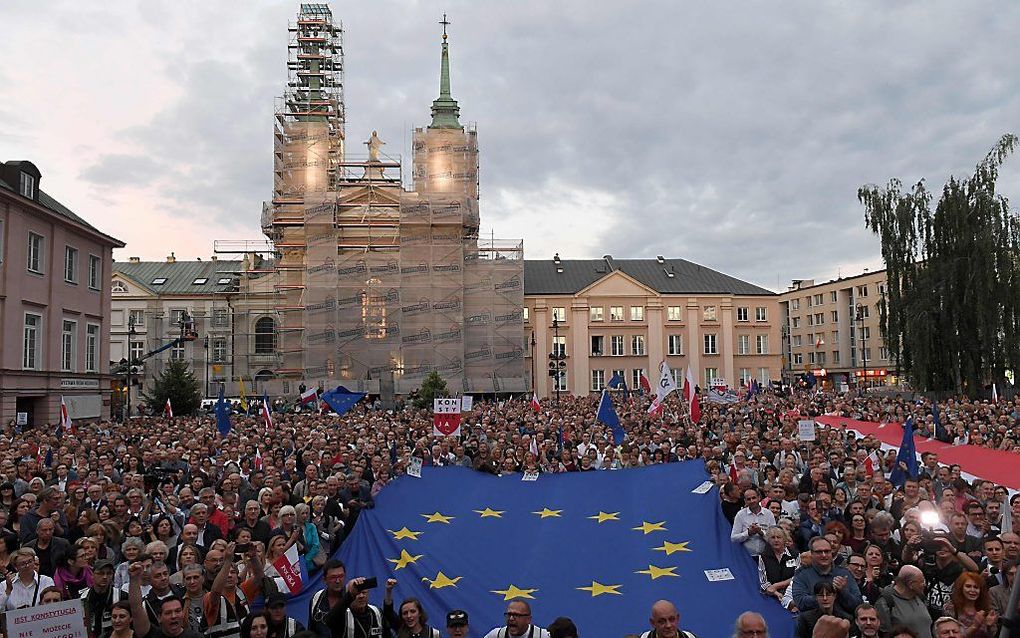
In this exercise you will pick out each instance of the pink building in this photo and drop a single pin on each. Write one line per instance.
(54, 305)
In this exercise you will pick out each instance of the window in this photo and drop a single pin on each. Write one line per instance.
(265, 336)
(560, 383)
(818, 299)
(743, 344)
(32, 346)
(220, 318)
(798, 358)
(811, 338)
(867, 354)
(70, 264)
(223, 281)
(598, 345)
(742, 314)
(865, 311)
(219, 350)
(745, 376)
(200, 281)
(35, 252)
(797, 341)
(136, 318)
(708, 313)
(820, 359)
(527, 314)
(177, 352)
(619, 373)
(761, 313)
(865, 333)
(883, 353)
(835, 337)
(761, 344)
(596, 313)
(637, 345)
(68, 339)
(710, 344)
(833, 296)
(91, 348)
(834, 316)
(675, 345)
(678, 377)
(637, 313)
(559, 346)
(795, 304)
(616, 313)
(616, 345)
(674, 313)
(118, 286)
(811, 357)
(635, 378)
(819, 318)
(598, 380)
(763, 375)
(862, 291)
(136, 349)
(810, 301)
(881, 290)
(27, 185)
(176, 317)
(835, 357)
(796, 322)
(95, 272)
(810, 320)
(159, 281)
(559, 315)
(711, 374)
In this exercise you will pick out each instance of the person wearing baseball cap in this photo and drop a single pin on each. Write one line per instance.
(279, 623)
(98, 600)
(457, 624)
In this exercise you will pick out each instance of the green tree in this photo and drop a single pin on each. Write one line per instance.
(432, 387)
(951, 314)
(178, 383)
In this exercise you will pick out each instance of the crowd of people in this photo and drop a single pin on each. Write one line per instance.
(163, 527)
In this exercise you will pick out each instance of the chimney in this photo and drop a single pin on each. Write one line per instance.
(171, 259)
(134, 260)
(214, 258)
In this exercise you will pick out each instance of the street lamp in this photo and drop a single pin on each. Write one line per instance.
(128, 368)
(557, 365)
(861, 310)
(533, 344)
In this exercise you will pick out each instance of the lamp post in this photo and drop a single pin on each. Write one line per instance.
(533, 354)
(128, 368)
(864, 341)
(557, 365)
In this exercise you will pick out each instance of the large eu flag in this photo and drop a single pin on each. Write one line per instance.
(599, 547)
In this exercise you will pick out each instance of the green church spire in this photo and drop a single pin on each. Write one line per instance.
(445, 112)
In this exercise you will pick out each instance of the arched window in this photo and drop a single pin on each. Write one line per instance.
(261, 379)
(265, 336)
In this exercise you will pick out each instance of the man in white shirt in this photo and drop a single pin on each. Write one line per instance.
(518, 623)
(24, 589)
(751, 523)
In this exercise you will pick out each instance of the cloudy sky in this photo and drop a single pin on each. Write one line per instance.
(731, 134)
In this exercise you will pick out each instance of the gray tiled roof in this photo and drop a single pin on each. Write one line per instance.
(180, 275)
(541, 276)
(48, 202)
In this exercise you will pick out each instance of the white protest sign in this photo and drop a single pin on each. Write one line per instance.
(414, 467)
(466, 402)
(65, 619)
(530, 475)
(807, 429)
(715, 575)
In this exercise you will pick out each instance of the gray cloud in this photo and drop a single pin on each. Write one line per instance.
(732, 135)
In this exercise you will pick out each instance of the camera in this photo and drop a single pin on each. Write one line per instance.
(368, 583)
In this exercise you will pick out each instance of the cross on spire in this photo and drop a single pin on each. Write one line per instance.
(445, 24)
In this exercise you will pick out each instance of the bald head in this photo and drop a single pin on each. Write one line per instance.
(665, 619)
(751, 623)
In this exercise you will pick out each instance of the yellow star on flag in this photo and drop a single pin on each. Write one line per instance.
(488, 512)
(403, 532)
(438, 518)
(404, 560)
(658, 572)
(671, 548)
(513, 591)
(441, 580)
(597, 589)
(648, 528)
(602, 517)
(545, 512)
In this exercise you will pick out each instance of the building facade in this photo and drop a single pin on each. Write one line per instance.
(54, 305)
(624, 316)
(833, 330)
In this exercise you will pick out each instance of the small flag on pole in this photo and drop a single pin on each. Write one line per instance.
(906, 459)
(222, 415)
(535, 405)
(267, 414)
(310, 396)
(607, 415)
(168, 410)
(66, 424)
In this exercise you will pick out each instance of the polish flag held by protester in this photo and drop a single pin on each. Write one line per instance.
(535, 405)
(168, 410)
(288, 566)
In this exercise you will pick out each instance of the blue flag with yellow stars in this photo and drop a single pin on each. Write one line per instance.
(598, 547)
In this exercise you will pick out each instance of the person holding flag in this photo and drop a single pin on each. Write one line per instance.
(228, 603)
(267, 415)
(691, 396)
(666, 385)
(168, 410)
(66, 424)
(607, 415)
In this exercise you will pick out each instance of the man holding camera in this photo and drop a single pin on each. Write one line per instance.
(354, 616)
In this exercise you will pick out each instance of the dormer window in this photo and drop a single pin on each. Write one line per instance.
(223, 281)
(159, 281)
(27, 186)
(118, 286)
(200, 281)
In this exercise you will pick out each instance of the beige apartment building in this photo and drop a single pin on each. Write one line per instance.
(832, 329)
(623, 316)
